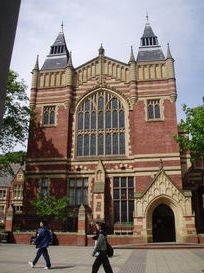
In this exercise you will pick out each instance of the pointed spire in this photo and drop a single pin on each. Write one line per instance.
(168, 55)
(69, 64)
(132, 57)
(149, 49)
(36, 67)
(58, 55)
(101, 50)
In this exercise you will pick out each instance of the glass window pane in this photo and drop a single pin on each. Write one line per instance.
(79, 182)
(78, 196)
(93, 145)
(52, 117)
(131, 210)
(71, 197)
(115, 119)
(86, 182)
(115, 143)
(121, 119)
(123, 194)
(100, 120)
(108, 119)
(122, 143)
(100, 144)
(116, 211)
(85, 196)
(100, 103)
(45, 118)
(87, 105)
(71, 182)
(108, 144)
(114, 103)
(157, 111)
(124, 211)
(79, 145)
(123, 182)
(130, 194)
(93, 120)
(150, 111)
(131, 182)
(116, 194)
(86, 145)
(80, 121)
(87, 117)
(116, 182)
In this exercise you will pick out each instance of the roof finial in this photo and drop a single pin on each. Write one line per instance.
(132, 57)
(62, 26)
(36, 67)
(101, 50)
(168, 55)
(147, 17)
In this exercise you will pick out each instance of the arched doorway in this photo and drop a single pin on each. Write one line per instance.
(163, 224)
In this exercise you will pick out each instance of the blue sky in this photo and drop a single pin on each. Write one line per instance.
(117, 24)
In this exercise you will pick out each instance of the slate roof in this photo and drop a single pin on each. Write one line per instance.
(5, 181)
(149, 49)
(150, 55)
(56, 60)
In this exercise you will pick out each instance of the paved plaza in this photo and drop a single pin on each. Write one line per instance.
(14, 259)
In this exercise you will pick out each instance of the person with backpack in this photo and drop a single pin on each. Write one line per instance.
(101, 249)
(42, 243)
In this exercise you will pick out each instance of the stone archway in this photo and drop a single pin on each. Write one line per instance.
(163, 224)
(162, 190)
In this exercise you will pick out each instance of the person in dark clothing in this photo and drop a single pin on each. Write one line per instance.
(100, 248)
(42, 243)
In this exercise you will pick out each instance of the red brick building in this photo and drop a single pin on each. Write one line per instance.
(104, 137)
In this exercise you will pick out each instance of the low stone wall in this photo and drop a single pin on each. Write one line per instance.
(201, 238)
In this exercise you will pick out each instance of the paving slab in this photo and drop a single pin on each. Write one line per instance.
(14, 259)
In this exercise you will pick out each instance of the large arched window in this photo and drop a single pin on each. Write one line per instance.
(100, 126)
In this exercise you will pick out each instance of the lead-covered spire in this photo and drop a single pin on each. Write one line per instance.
(149, 49)
(59, 54)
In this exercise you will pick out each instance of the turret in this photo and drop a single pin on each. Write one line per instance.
(169, 64)
(59, 54)
(149, 49)
(132, 77)
(35, 72)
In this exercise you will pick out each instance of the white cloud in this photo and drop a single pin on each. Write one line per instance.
(117, 24)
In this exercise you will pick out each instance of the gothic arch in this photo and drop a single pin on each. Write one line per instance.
(173, 205)
(109, 133)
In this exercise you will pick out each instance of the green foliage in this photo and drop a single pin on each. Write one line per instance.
(193, 127)
(7, 159)
(49, 206)
(2, 227)
(15, 124)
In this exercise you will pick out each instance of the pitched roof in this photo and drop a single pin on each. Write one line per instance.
(6, 180)
(59, 54)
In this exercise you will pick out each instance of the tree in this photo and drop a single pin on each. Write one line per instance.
(7, 159)
(49, 206)
(15, 124)
(192, 138)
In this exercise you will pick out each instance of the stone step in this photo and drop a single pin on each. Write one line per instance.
(159, 246)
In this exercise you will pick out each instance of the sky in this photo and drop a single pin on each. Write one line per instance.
(117, 24)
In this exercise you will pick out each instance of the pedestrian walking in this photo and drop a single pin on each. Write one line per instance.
(100, 248)
(42, 243)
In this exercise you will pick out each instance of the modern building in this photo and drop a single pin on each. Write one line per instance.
(103, 137)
